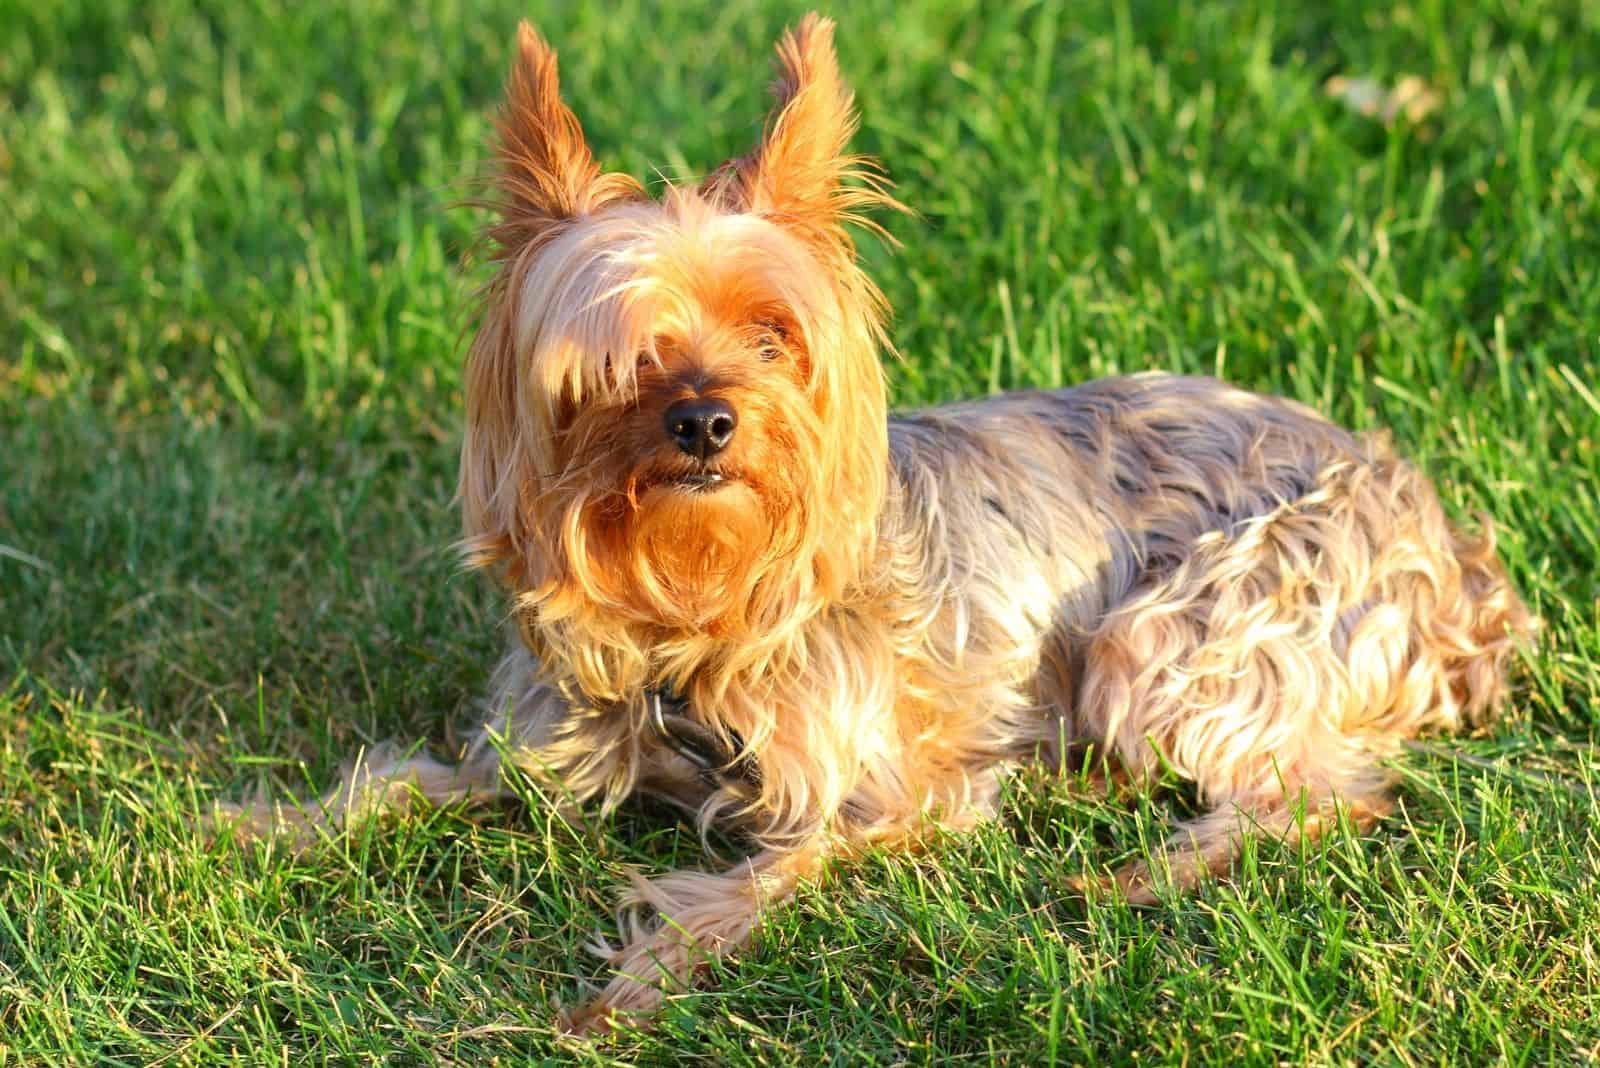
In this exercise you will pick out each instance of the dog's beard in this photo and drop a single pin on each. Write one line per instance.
(678, 553)
(701, 548)
(722, 546)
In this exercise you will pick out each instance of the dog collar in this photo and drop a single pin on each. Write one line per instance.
(718, 764)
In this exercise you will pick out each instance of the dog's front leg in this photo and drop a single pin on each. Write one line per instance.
(675, 924)
(524, 720)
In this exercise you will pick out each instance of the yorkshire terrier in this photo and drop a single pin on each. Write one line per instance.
(741, 586)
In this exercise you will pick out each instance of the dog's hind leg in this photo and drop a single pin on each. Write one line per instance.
(1208, 846)
(1287, 656)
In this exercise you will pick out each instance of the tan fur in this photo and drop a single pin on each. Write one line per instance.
(889, 613)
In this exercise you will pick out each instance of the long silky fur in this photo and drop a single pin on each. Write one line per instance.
(890, 613)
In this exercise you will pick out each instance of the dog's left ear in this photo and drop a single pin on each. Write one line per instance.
(801, 175)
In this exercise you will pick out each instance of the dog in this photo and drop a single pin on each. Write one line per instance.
(741, 586)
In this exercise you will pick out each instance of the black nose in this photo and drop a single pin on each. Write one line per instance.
(701, 427)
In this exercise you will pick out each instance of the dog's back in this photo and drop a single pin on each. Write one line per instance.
(1214, 580)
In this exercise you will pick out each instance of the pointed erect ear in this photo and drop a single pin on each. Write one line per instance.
(546, 171)
(797, 174)
(545, 174)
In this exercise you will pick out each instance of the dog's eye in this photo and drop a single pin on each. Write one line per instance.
(642, 362)
(773, 339)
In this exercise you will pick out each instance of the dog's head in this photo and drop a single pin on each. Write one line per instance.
(675, 407)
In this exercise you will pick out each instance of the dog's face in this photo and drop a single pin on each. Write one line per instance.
(675, 408)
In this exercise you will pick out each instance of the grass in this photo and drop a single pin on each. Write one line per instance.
(229, 401)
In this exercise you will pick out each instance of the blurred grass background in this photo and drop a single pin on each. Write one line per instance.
(230, 317)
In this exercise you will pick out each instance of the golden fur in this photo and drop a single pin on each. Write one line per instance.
(887, 613)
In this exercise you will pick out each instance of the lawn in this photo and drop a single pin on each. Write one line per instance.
(231, 308)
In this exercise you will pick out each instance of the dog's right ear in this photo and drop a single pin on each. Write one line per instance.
(545, 175)
(546, 172)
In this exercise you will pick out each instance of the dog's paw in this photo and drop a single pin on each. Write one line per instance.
(243, 822)
(589, 1022)
(624, 1003)
(598, 1019)
(1133, 883)
(252, 821)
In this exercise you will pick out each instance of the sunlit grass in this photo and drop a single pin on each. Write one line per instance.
(229, 401)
